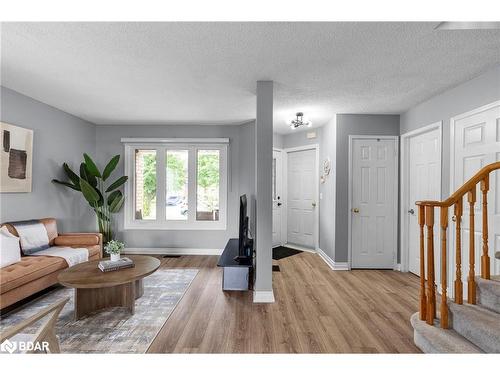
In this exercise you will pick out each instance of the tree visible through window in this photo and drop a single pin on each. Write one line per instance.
(207, 207)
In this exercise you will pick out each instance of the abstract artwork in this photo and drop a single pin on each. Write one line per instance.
(16, 157)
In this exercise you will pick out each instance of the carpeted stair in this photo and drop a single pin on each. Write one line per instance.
(473, 328)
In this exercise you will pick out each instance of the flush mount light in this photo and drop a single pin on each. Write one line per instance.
(299, 121)
(468, 26)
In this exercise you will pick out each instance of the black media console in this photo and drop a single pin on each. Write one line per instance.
(237, 275)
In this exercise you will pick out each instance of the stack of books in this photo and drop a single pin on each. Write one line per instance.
(115, 265)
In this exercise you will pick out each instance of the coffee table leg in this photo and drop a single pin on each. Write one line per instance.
(139, 288)
(88, 300)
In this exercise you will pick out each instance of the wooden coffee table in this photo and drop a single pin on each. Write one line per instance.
(96, 290)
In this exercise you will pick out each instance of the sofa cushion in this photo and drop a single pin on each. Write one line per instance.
(28, 269)
(10, 252)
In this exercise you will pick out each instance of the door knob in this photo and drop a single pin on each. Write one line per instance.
(355, 210)
(313, 204)
(411, 211)
(279, 204)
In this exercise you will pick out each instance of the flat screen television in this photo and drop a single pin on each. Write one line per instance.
(244, 251)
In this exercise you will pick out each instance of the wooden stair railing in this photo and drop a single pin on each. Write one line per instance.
(426, 219)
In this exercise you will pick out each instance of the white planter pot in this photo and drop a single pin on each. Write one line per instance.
(115, 257)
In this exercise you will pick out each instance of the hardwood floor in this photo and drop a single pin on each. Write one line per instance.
(317, 310)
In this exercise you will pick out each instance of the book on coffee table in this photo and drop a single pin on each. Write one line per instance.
(114, 265)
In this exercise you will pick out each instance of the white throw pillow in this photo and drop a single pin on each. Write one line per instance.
(10, 252)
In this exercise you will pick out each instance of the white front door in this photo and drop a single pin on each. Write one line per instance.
(277, 203)
(476, 138)
(423, 179)
(301, 198)
(373, 202)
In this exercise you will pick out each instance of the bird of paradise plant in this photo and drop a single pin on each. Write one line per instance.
(104, 201)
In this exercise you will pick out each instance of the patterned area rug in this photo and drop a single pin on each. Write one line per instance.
(113, 330)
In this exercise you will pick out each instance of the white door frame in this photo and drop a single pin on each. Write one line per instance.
(451, 241)
(394, 138)
(283, 195)
(404, 191)
(284, 221)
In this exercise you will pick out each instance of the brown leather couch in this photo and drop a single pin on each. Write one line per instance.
(35, 273)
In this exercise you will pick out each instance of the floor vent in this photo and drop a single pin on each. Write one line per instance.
(171, 256)
(276, 269)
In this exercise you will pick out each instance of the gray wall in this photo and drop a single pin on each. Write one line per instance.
(327, 149)
(299, 138)
(277, 140)
(263, 188)
(108, 143)
(58, 137)
(353, 124)
(472, 94)
(246, 168)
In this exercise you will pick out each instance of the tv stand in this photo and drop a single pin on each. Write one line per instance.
(237, 271)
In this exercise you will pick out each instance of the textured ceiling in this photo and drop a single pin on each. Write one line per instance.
(197, 73)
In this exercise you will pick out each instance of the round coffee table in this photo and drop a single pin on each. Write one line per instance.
(96, 290)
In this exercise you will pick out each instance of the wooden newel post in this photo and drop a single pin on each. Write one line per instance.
(431, 291)
(471, 283)
(459, 288)
(485, 259)
(423, 297)
(444, 295)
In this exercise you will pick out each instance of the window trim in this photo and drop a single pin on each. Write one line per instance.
(161, 145)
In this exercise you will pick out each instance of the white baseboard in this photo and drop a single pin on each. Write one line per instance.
(263, 296)
(397, 267)
(170, 251)
(336, 266)
(300, 248)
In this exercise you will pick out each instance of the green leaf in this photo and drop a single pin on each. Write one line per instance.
(71, 175)
(91, 167)
(85, 174)
(117, 183)
(117, 203)
(77, 188)
(110, 167)
(113, 195)
(90, 194)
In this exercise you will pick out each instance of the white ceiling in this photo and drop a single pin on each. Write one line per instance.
(206, 73)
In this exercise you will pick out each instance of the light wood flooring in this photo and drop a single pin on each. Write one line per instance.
(317, 310)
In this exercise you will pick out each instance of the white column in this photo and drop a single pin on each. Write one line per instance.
(263, 289)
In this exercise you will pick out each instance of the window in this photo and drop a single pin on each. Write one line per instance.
(176, 184)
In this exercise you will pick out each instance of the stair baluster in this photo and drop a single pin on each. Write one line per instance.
(444, 299)
(423, 297)
(485, 259)
(431, 295)
(459, 288)
(471, 283)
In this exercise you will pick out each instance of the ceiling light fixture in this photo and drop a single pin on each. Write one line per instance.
(299, 121)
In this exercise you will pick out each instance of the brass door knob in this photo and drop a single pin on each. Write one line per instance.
(355, 210)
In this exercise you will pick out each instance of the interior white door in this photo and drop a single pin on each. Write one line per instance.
(301, 198)
(477, 144)
(423, 181)
(374, 202)
(277, 204)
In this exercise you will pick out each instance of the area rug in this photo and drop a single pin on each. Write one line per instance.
(113, 330)
(281, 252)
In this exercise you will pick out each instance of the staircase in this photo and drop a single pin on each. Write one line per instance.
(458, 327)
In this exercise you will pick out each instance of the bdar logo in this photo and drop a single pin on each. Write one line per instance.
(8, 346)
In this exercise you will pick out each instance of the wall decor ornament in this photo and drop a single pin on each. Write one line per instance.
(16, 159)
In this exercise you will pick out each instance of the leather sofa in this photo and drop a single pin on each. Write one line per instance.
(35, 273)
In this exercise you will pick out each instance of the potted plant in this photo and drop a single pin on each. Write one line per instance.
(114, 248)
(105, 199)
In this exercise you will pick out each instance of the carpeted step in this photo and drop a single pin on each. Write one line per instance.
(432, 339)
(477, 324)
(488, 293)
